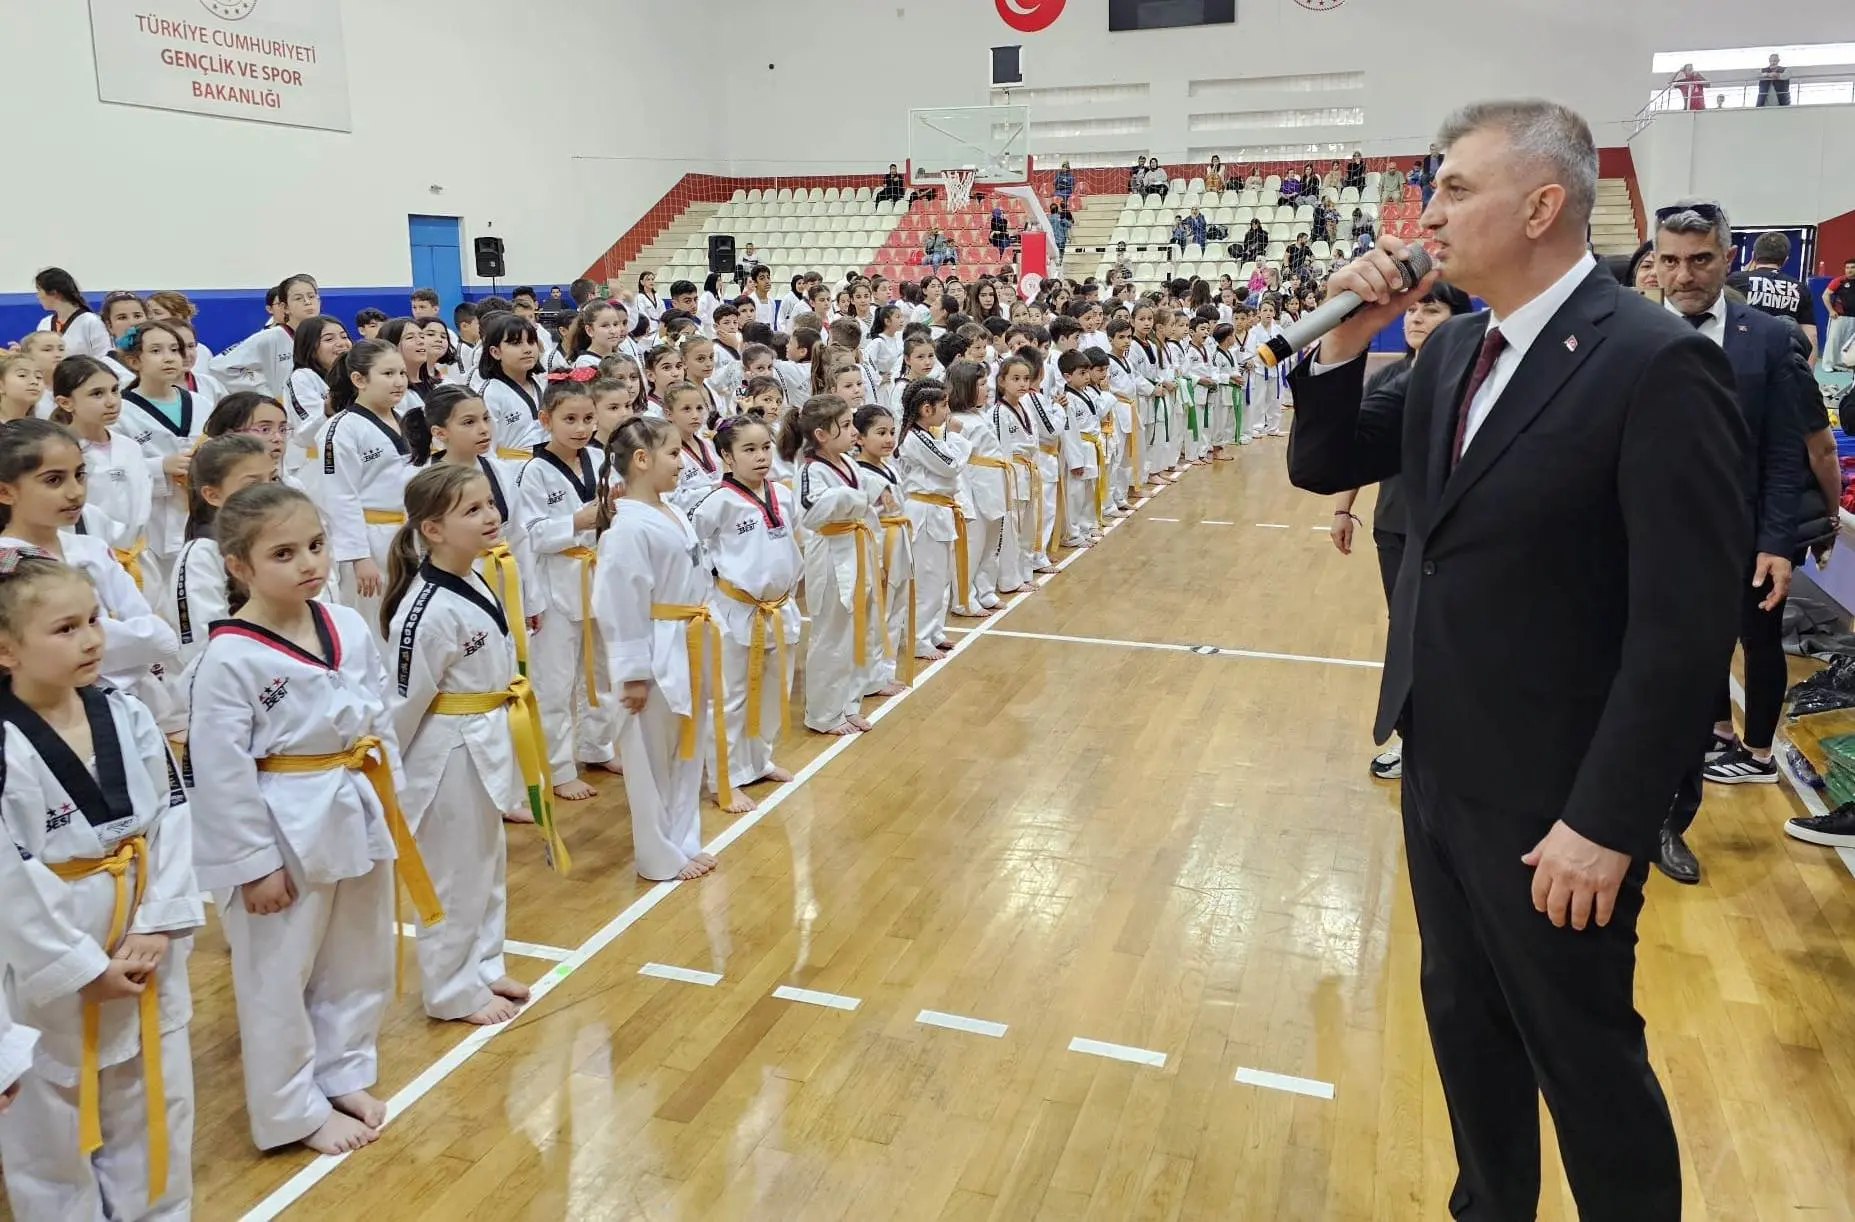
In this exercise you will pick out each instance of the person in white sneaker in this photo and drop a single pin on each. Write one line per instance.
(1443, 302)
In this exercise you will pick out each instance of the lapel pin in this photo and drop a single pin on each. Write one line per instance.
(1571, 343)
(1742, 326)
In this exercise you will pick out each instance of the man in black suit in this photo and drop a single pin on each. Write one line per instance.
(1693, 250)
(1577, 534)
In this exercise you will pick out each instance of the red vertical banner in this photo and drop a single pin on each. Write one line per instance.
(1034, 253)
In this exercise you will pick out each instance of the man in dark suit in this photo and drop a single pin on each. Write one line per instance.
(1577, 534)
(1693, 250)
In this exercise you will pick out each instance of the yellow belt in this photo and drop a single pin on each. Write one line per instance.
(130, 558)
(904, 651)
(501, 575)
(1037, 532)
(766, 619)
(512, 455)
(1101, 476)
(860, 593)
(367, 756)
(1050, 447)
(384, 517)
(998, 464)
(130, 854)
(960, 559)
(694, 617)
(588, 558)
(518, 699)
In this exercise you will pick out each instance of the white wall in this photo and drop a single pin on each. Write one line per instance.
(533, 133)
(1772, 166)
(1420, 58)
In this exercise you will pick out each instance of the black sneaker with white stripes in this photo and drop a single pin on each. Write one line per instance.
(1835, 829)
(1721, 744)
(1740, 767)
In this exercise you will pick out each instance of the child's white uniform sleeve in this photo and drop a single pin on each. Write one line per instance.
(171, 900)
(622, 599)
(340, 494)
(16, 1045)
(547, 533)
(422, 664)
(133, 635)
(236, 840)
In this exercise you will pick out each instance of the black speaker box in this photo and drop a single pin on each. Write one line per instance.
(489, 258)
(721, 252)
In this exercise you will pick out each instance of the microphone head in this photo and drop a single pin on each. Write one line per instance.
(1416, 267)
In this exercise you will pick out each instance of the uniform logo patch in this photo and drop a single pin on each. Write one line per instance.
(273, 693)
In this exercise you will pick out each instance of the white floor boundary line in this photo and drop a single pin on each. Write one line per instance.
(686, 975)
(1272, 525)
(1284, 1082)
(812, 997)
(527, 950)
(960, 1022)
(1806, 793)
(297, 1186)
(1119, 1052)
(1203, 651)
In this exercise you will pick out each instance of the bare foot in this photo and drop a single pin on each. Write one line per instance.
(857, 723)
(696, 867)
(499, 1010)
(514, 990)
(612, 766)
(973, 612)
(841, 728)
(891, 689)
(1048, 568)
(739, 804)
(518, 816)
(776, 774)
(339, 1134)
(944, 646)
(362, 1106)
(575, 790)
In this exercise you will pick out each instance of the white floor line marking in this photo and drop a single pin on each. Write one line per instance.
(1282, 1081)
(1273, 525)
(1214, 522)
(1204, 651)
(1322, 529)
(688, 975)
(959, 1022)
(1119, 1052)
(294, 1188)
(1806, 793)
(1162, 519)
(527, 950)
(812, 997)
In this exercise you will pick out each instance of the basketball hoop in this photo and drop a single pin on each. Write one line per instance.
(959, 184)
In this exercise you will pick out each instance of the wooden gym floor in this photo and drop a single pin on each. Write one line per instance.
(1094, 925)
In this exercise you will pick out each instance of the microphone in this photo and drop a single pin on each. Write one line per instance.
(1336, 310)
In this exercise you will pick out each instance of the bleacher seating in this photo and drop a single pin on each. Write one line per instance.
(969, 228)
(828, 229)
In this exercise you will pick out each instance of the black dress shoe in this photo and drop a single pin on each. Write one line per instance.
(1677, 860)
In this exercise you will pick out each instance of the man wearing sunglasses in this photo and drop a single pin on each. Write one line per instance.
(1693, 250)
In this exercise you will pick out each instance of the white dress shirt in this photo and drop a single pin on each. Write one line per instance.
(1715, 326)
(1521, 329)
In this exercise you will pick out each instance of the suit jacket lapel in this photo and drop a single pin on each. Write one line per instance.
(1567, 341)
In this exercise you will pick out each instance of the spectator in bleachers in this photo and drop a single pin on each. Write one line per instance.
(1774, 84)
(1327, 220)
(1158, 182)
(1198, 225)
(1691, 87)
(1181, 234)
(1363, 224)
(1310, 184)
(1432, 164)
(1255, 241)
(1355, 172)
(892, 185)
(938, 252)
(1001, 228)
(1136, 178)
(1061, 221)
(1300, 256)
(1391, 183)
(1290, 190)
(1064, 184)
(1214, 174)
(1363, 237)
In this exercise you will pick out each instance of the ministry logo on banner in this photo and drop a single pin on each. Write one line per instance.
(269, 61)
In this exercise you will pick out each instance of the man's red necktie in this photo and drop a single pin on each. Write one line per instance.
(1491, 348)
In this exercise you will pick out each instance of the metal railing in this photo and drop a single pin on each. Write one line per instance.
(1836, 88)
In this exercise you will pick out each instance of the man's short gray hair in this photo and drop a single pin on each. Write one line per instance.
(1546, 132)
(1689, 216)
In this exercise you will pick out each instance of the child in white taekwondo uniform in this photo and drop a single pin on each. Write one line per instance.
(561, 509)
(470, 734)
(365, 465)
(747, 526)
(298, 833)
(892, 669)
(97, 908)
(664, 652)
(932, 456)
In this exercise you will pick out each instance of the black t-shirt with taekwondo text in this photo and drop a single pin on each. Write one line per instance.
(1772, 292)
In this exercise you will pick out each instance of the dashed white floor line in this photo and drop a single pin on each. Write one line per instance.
(527, 950)
(687, 975)
(1119, 1052)
(1323, 529)
(812, 997)
(1214, 522)
(1272, 525)
(298, 1185)
(959, 1022)
(1162, 519)
(1204, 651)
(1285, 1082)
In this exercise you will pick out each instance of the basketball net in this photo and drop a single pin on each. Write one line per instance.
(959, 184)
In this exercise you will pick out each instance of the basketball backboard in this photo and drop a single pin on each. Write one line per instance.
(992, 141)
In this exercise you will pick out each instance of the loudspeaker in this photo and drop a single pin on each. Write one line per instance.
(721, 252)
(489, 258)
